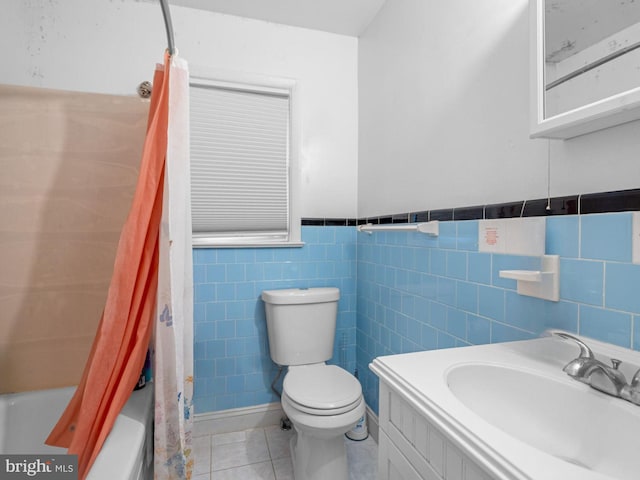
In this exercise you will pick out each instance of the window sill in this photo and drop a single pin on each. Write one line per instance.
(199, 243)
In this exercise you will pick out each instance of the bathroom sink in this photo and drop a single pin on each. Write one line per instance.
(556, 415)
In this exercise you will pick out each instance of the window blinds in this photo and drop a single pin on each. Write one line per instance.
(239, 164)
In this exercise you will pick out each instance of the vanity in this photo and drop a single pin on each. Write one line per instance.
(506, 411)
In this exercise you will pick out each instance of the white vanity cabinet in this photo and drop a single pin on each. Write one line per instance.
(412, 448)
(504, 411)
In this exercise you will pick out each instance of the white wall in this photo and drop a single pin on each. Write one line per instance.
(110, 47)
(444, 116)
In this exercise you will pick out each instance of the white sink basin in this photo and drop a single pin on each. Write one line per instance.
(556, 415)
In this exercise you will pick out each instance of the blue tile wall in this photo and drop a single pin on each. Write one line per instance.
(233, 368)
(420, 293)
(403, 292)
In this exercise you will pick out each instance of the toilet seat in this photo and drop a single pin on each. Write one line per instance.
(322, 389)
(324, 411)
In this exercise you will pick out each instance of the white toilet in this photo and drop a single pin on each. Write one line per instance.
(322, 401)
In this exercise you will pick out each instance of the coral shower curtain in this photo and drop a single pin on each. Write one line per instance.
(151, 266)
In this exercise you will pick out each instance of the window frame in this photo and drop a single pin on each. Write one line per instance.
(260, 84)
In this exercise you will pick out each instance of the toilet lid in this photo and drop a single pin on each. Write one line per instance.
(322, 387)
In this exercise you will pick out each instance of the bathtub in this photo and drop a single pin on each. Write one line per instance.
(27, 418)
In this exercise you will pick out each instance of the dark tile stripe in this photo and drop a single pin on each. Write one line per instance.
(400, 218)
(418, 217)
(559, 206)
(312, 221)
(503, 210)
(443, 215)
(468, 213)
(620, 201)
(335, 222)
(605, 202)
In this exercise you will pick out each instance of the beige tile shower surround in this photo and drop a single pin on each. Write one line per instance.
(69, 164)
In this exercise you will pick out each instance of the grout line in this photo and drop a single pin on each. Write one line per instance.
(579, 230)
(604, 284)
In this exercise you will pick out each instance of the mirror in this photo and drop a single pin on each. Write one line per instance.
(585, 65)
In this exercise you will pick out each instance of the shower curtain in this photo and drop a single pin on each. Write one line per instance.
(174, 319)
(122, 340)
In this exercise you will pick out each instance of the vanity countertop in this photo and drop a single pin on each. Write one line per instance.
(517, 414)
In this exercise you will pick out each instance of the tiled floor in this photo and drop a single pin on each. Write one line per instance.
(263, 454)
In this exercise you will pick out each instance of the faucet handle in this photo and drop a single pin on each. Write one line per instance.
(615, 363)
(585, 351)
(576, 368)
(631, 392)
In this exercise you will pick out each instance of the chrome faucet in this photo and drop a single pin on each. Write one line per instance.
(604, 378)
(608, 379)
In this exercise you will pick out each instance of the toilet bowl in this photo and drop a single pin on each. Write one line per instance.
(322, 401)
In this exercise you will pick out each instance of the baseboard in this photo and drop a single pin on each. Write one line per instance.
(237, 419)
(372, 423)
(258, 416)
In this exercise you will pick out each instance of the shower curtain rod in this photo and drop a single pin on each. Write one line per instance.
(166, 13)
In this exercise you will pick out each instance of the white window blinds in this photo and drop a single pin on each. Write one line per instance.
(240, 144)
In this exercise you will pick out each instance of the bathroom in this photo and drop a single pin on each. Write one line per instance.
(425, 109)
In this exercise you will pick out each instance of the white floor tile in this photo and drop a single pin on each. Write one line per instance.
(202, 455)
(256, 471)
(362, 457)
(263, 454)
(278, 442)
(283, 469)
(233, 437)
(253, 449)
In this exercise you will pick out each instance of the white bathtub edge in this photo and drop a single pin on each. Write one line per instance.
(128, 441)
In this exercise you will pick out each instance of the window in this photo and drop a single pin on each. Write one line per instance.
(243, 173)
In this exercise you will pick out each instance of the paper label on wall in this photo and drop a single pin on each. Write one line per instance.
(514, 236)
(492, 236)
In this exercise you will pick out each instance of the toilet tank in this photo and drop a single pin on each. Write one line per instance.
(301, 324)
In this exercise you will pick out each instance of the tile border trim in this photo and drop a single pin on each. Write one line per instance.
(582, 204)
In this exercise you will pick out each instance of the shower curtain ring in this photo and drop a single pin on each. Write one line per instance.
(144, 89)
